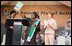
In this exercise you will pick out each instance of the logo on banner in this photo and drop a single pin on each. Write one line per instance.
(6, 12)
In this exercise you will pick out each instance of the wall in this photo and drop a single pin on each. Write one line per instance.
(60, 19)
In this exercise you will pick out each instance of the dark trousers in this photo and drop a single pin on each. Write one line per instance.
(9, 37)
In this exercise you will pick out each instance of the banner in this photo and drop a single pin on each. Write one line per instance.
(18, 6)
(32, 30)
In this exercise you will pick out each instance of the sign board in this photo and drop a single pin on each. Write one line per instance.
(18, 6)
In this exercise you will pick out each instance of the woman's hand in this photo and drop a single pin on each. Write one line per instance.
(49, 25)
(34, 25)
(11, 27)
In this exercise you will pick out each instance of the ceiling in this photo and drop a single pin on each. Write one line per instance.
(67, 3)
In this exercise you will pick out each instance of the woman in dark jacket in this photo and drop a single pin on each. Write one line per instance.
(31, 20)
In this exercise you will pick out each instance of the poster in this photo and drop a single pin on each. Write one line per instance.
(18, 6)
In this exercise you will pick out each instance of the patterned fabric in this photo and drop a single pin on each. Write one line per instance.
(16, 35)
(33, 40)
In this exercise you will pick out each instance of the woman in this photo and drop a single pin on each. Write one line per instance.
(34, 16)
(50, 26)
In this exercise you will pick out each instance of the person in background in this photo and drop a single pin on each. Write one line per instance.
(38, 40)
(42, 39)
(50, 26)
(68, 32)
(9, 28)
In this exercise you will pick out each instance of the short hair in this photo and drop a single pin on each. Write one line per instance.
(51, 14)
(13, 11)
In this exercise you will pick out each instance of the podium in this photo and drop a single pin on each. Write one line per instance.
(17, 23)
